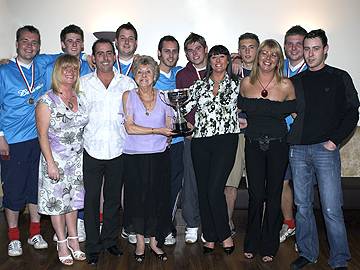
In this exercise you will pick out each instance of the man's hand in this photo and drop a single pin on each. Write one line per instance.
(329, 145)
(4, 147)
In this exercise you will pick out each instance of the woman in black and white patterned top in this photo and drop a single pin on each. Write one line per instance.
(214, 143)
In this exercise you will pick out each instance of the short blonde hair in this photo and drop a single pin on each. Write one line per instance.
(275, 47)
(64, 61)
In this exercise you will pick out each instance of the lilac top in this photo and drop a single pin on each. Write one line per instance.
(149, 143)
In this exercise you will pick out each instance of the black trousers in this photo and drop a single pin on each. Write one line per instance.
(95, 170)
(265, 171)
(213, 158)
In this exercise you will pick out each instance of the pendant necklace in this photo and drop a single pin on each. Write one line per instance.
(68, 101)
(147, 108)
(264, 92)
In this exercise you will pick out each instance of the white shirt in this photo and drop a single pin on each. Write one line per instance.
(104, 135)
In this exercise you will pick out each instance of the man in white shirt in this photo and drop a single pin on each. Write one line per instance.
(103, 142)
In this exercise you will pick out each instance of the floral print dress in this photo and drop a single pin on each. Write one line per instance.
(66, 142)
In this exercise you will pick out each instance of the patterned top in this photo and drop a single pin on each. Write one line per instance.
(215, 115)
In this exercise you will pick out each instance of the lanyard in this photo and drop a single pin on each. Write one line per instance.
(119, 66)
(301, 68)
(30, 88)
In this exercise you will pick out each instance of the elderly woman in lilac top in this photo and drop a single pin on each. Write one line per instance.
(147, 160)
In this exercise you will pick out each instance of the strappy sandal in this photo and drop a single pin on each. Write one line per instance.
(77, 254)
(161, 256)
(139, 258)
(65, 260)
(249, 255)
(267, 258)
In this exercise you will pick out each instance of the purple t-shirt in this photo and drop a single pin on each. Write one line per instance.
(149, 143)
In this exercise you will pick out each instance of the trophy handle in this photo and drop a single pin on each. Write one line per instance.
(163, 98)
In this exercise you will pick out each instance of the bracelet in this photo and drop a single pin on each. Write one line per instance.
(152, 131)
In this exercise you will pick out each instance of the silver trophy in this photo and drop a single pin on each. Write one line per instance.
(177, 98)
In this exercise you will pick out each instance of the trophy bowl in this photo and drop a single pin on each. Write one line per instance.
(176, 98)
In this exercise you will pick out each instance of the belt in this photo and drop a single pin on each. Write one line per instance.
(264, 141)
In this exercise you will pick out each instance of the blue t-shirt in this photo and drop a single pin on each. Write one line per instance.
(17, 114)
(169, 83)
(124, 69)
(290, 73)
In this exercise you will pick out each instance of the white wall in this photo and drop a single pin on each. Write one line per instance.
(220, 22)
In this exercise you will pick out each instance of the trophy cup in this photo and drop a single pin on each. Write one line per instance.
(177, 98)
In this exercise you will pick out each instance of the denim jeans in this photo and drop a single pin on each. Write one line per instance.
(306, 162)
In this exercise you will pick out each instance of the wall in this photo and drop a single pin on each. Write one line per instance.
(221, 22)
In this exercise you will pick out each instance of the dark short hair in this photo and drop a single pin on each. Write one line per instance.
(192, 38)
(102, 40)
(27, 28)
(295, 30)
(72, 28)
(167, 38)
(318, 33)
(249, 36)
(216, 50)
(127, 26)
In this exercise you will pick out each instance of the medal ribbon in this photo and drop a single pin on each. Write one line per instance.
(301, 68)
(119, 66)
(29, 87)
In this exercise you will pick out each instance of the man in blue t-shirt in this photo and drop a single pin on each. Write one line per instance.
(293, 65)
(126, 43)
(21, 85)
(168, 54)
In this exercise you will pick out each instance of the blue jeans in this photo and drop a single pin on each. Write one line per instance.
(306, 162)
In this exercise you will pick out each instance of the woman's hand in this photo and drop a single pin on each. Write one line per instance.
(53, 171)
(242, 123)
(164, 131)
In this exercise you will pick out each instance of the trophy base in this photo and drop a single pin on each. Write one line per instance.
(181, 129)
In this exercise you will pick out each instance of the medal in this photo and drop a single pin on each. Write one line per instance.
(31, 101)
(30, 88)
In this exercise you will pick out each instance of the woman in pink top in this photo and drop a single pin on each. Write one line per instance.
(147, 160)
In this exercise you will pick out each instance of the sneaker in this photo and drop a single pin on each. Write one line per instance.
(81, 230)
(286, 232)
(14, 248)
(124, 234)
(191, 235)
(202, 238)
(38, 242)
(132, 238)
(170, 240)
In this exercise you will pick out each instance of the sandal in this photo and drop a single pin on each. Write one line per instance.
(77, 254)
(139, 258)
(161, 256)
(65, 260)
(267, 258)
(248, 255)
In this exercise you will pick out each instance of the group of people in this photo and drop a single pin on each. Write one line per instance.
(74, 138)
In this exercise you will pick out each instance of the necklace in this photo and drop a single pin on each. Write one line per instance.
(68, 101)
(147, 107)
(264, 91)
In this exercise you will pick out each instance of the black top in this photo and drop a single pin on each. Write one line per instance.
(327, 106)
(266, 117)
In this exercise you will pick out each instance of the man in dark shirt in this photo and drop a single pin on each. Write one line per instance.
(327, 114)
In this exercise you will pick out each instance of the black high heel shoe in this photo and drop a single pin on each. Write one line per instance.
(208, 250)
(229, 250)
(161, 256)
(139, 258)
